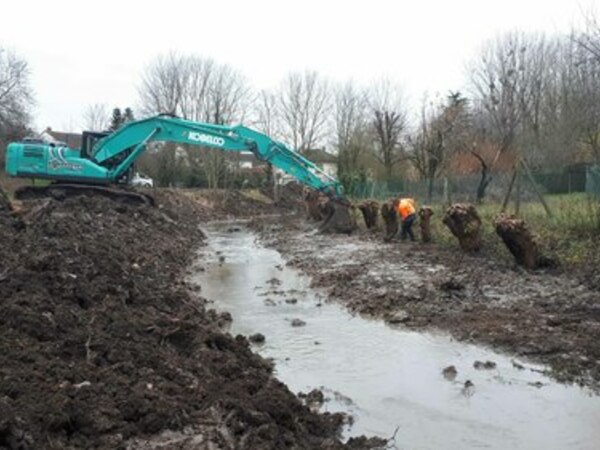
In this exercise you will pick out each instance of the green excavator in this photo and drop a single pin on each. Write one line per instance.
(106, 160)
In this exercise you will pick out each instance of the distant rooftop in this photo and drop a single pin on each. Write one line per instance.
(320, 156)
(72, 140)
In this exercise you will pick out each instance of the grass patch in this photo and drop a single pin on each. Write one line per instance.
(572, 234)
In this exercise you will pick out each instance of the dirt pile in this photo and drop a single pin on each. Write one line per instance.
(222, 204)
(101, 343)
(289, 196)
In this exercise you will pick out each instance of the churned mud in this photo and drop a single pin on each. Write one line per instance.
(544, 316)
(102, 345)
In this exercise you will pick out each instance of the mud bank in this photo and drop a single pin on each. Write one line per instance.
(544, 317)
(103, 346)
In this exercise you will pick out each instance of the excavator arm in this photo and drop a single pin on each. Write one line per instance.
(118, 151)
(112, 156)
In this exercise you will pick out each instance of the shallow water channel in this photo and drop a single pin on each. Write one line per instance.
(389, 378)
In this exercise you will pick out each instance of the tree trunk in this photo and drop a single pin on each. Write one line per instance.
(425, 214)
(464, 223)
(370, 211)
(390, 218)
(312, 200)
(430, 182)
(483, 184)
(520, 241)
(485, 178)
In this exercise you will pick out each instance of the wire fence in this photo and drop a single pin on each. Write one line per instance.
(592, 183)
(575, 179)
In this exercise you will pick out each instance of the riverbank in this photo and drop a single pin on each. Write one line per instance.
(547, 317)
(102, 345)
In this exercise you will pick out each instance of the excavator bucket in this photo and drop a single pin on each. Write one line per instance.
(339, 218)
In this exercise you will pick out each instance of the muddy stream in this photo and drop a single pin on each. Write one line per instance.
(389, 378)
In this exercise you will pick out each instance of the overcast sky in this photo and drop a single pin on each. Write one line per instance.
(85, 52)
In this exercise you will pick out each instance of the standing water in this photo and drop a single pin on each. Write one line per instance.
(389, 379)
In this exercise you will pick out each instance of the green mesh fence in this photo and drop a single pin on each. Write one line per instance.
(569, 180)
(592, 184)
(566, 180)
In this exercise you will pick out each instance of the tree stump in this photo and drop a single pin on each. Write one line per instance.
(425, 214)
(390, 218)
(370, 211)
(314, 207)
(464, 223)
(520, 241)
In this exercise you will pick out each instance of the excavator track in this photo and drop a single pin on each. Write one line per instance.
(60, 191)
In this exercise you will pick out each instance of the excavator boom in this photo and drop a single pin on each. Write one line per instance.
(112, 156)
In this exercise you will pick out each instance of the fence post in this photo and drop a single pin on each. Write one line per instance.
(518, 190)
(446, 195)
(537, 191)
(510, 187)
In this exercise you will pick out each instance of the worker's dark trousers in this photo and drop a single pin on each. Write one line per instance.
(406, 229)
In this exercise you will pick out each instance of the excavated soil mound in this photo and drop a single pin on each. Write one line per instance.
(223, 203)
(289, 196)
(102, 345)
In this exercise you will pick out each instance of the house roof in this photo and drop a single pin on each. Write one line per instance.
(320, 156)
(72, 140)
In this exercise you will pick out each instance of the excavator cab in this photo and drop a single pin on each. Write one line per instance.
(88, 140)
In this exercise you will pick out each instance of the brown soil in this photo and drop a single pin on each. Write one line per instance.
(544, 316)
(102, 345)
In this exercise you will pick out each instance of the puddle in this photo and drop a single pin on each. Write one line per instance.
(390, 378)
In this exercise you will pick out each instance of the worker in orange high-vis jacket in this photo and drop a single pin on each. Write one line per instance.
(407, 211)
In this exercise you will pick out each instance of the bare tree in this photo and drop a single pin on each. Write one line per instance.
(160, 90)
(267, 116)
(388, 122)
(584, 85)
(442, 132)
(198, 89)
(589, 39)
(350, 112)
(96, 117)
(509, 83)
(304, 104)
(16, 97)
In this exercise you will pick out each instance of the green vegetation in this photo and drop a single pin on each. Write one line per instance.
(572, 234)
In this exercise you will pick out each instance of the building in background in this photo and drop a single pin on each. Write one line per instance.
(326, 161)
(72, 140)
